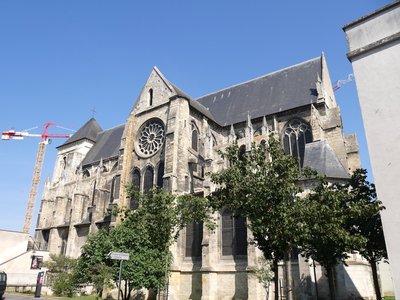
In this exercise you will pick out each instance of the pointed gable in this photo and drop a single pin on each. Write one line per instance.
(275, 92)
(88, 131)
(320, 157)
(161, 90)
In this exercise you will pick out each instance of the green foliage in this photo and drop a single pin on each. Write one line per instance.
(323, 216)
(60, 275)
(92, 266)
(368, 221)
(264, 272)
(326, 224)
(340, 218)
(146, 234)
(262, 190)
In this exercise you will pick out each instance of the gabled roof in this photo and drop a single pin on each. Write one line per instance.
(88, 131)
(320, 157)
(107, 145)
(178, 92)
(275, 92)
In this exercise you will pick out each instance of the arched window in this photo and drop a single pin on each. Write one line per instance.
(160, 175)
(86, 174)
(242, 152)
(150, 97)
(148, 178)
(234, 234)
(115, 185)
(136, 185)
(194, 238)
(136, 179)
(296, 135)
(195, 137)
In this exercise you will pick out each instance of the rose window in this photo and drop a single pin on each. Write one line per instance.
(151, 137)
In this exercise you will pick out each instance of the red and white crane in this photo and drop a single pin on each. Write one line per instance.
(37, 170)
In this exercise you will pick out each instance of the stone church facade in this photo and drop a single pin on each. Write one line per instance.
(171, 140)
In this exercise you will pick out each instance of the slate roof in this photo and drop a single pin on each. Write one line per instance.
(195, 104)
(88, 131)
(275, 92)
(107, 145)
(320, 157)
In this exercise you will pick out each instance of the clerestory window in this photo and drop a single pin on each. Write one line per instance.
(148, 178)
(134, 204)
(296, 135)
(195, 137)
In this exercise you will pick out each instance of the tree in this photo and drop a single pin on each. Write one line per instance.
(264, 191)
(323, 215)
(60, 275)
(264, 274)
(368, 223)
(92, 266)
(146, 234)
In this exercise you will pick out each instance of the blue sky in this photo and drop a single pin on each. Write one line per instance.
(59, 60)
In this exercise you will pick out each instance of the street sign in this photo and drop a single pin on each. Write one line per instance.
(119, 255)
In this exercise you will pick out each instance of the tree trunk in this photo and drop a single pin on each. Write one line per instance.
(375, 278)
(125, 291)
(288, 277)
(276, 280)
(331, 280)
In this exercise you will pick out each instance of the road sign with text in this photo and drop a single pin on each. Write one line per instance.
(119, 255)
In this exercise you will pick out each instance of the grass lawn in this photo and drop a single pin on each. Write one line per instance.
(389, 298)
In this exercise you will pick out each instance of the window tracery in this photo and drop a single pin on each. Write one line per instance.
(296, 135)
(151, 137)
(195, 137)
(148, 178)
(234, 234)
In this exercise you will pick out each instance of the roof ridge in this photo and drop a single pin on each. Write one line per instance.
(259, 77)
(114, 127)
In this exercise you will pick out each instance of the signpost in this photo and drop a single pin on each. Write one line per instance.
(119, 256)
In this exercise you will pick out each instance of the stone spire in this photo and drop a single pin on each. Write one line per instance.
(249, 132)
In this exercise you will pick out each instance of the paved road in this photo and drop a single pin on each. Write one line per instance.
(19, 296)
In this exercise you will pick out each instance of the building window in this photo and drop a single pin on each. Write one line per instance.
(151, 137)
(136, 186)
(86, 174)
(194, 238)
(195, 137)
(148, 178)
(63, 234)
(160, 175)
(242, 152)
(150, 97)
(234, 234)
(44, 240)
(297, 134)
(115, 186)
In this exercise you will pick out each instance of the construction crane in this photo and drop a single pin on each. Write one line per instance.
(338, 84)
(37, 170)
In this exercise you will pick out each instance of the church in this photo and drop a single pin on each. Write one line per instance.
(171, 140)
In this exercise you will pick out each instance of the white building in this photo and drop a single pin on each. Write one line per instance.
(374, 51)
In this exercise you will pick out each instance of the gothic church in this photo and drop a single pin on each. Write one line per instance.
(171, 140)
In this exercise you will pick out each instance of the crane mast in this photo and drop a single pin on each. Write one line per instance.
(37, 170)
